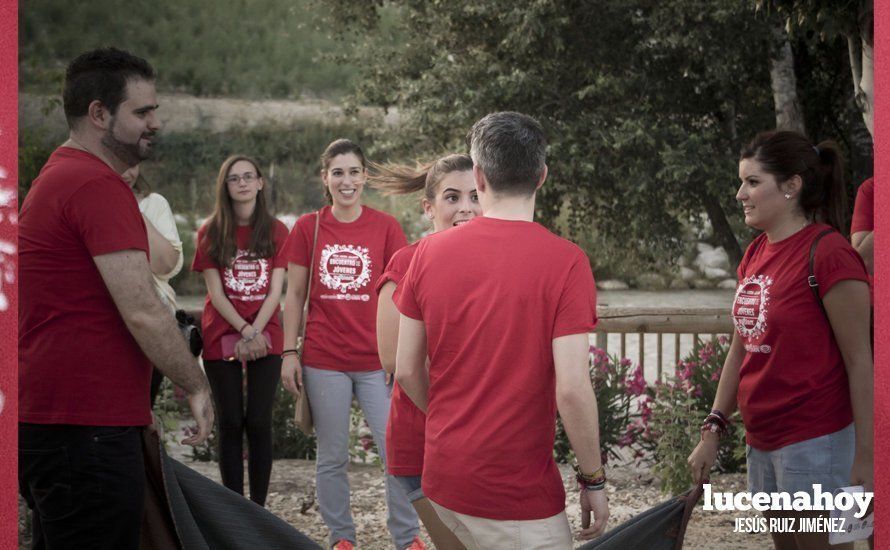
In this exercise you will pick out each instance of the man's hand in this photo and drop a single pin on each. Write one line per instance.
(291, 374)
(597, 503)
(202, 410)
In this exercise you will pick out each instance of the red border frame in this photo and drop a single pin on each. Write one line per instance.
(8, 232)
(882, 265)
(8, 319)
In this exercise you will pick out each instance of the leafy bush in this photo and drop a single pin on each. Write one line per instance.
(671, 412)
(616, 385)
(287, 440)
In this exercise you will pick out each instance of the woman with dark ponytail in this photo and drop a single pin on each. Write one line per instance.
(800, 363)
(449, 200)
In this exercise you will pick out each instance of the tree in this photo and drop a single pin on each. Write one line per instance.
(644, 102)
(852, 19)
(789, 114)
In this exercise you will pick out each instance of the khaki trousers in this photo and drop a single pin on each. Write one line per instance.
(482, 533)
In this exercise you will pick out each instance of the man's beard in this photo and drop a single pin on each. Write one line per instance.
(128, 153)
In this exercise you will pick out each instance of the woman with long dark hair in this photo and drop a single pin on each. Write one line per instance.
(800, 365)
(239, 253)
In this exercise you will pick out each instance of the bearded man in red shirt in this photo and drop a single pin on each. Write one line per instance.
(90, 321)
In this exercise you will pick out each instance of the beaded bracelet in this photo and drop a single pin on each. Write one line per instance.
(252, 336)
(715, 423)
(590, 482)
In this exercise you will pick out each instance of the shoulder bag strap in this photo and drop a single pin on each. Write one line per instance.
(811, 279)
(308, 286)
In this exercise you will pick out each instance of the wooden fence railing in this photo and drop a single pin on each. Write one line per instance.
(660, 322)
(639, 322)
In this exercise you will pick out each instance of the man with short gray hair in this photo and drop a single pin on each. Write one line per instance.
(503, 308)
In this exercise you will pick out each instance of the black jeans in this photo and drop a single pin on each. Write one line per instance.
(85, 485)
(226, 382)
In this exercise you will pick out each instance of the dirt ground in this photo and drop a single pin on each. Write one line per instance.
(631, 491)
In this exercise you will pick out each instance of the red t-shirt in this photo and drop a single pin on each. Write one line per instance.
(864, 209)
(493, 294)
(341, 332)
(78, 363)
(405, 427)
(245, 282)
(792, 382)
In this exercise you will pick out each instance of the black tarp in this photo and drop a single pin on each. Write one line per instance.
(189, 511)
(660, 528)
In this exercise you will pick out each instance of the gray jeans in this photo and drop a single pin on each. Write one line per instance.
(330, 396)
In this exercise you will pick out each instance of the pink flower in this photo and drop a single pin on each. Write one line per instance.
(636, 384)
(723, 339)
(705, 353)
(688, 369)
(366, 442)
(645, 412)
(627, 439)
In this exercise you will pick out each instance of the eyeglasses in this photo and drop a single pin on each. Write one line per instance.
(248, 177)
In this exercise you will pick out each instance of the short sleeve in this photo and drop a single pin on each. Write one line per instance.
(576, 310)
(280, 237)
(405, 297)
(157, 210)
(864, 209)
(837, 261)
(396, 268)
(395, 240)
(105, 214)
(202, 260)
(298, 243)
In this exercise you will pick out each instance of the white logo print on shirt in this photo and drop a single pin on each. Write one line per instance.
(750, 307)
(344, 267)
(247, 278)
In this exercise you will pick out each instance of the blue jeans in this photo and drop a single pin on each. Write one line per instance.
(330, 397)
(411, 486)
(85, 485)
(826, 460)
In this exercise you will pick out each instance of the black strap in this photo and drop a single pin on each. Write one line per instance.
(811, 279)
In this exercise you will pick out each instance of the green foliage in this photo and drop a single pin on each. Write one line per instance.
(616, 385)
(644, 116)
(246, 48)
(671, 415)
(33, 154)
(824, 18)
(287, 440)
